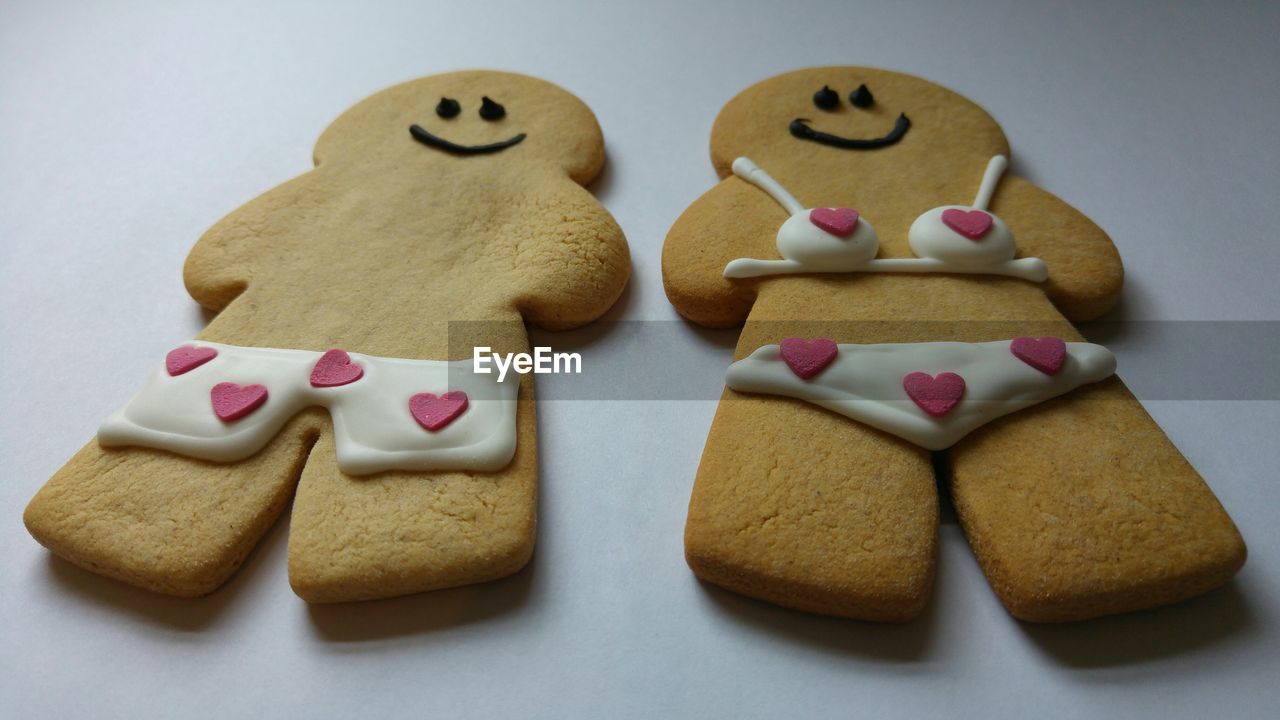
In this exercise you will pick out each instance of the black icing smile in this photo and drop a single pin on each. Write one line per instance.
(420, 134)
(800, 129)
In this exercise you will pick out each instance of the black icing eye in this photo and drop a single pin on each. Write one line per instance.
(448, 108)
(861, 97)
(826, 98)
(490, 110)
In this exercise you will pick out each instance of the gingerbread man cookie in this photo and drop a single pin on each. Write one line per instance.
(897, 337)
(441, 215)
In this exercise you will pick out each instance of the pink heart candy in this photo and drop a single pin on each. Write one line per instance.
(335, 368)
(187, 358)
(935, 395)
(1046, 354)
(807, 358)
(436, 411)
(972, 224)
(837, 221)
(232, 401)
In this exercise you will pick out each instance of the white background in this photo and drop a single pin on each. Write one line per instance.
(127, 130)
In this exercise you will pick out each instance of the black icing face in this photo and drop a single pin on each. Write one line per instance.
(828, 100)
(448, 109)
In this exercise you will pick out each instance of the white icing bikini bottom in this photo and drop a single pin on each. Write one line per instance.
(868, 383)
(395, 414)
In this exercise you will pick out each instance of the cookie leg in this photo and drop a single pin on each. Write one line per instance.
(806, 509)
(396, 533)
(1082, 507)
(164, 522)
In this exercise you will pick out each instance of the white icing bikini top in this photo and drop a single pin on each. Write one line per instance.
(948, 239)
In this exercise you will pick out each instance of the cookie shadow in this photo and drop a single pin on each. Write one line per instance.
(594, 331)
(597, 367)
(175, 613)
(722, 338)
(1149, 635)
(880, 642)
(601, 186)
(422, 613)
(1124, 322)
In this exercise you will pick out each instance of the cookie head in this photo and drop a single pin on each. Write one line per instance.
(848, 116)
(470, 118)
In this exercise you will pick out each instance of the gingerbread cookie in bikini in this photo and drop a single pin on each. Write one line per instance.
(442, 214)
(896, 337)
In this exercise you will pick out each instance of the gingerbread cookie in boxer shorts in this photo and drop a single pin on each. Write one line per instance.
(864, 230)
(441, 215)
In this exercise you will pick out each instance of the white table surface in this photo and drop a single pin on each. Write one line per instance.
(126, 130)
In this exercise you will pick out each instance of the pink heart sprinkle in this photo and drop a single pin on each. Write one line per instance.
(187, 358)
(335, 368)
(972, 224)
(1046, 354)
(232, 401)
(935, 395)
(807, 358)
(436, 411)
(837, 221)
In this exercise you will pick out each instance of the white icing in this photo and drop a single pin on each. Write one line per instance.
(809, 248)
(864, 383)
(372, 425)
(806, 248)
(930, 238)
(990, 178)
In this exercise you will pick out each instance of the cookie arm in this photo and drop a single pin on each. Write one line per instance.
(223, 261)
(1085, 272)
(572, 261)
(731, 220)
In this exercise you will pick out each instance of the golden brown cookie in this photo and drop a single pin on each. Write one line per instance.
(1075, 507)
(414, 244)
